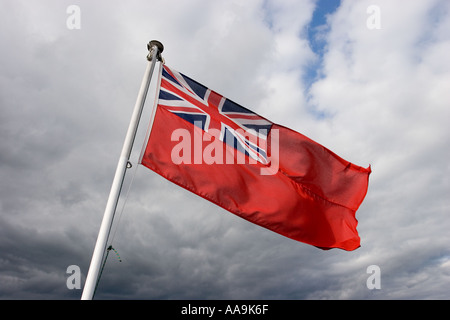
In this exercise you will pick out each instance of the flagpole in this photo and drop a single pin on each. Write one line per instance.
(155, 48)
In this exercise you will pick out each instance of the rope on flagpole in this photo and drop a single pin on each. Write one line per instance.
(129, 166)
(103, 267)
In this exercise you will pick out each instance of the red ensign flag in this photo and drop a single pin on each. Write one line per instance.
(263, 172)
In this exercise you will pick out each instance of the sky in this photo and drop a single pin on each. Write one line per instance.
(369, 80)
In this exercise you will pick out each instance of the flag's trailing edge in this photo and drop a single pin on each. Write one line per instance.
(263, 172)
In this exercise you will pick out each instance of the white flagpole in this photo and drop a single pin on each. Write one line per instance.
(155, 48)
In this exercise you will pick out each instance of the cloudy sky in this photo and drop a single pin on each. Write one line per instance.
(370, 80)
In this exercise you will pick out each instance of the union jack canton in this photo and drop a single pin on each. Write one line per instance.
(239, 127)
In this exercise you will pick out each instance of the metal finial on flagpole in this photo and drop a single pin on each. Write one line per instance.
(155, 48)
(158, 45)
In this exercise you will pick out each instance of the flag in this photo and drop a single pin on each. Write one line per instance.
(258, 170)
